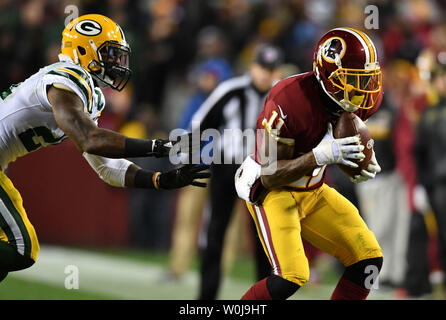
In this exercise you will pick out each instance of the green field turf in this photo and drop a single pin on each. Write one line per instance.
(14, 288)
(140, 275)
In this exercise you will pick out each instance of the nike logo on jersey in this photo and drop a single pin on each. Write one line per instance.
(281, 112)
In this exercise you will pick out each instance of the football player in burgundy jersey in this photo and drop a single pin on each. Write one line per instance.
(294, 202)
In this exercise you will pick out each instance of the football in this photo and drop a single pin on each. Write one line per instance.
(349, 124)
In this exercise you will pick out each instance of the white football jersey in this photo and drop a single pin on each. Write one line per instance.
(26, 117)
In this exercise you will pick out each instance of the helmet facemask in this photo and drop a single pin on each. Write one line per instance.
(112, 70)
(357, 86)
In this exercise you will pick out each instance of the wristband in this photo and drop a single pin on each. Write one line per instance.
(144, 179)
(138, 147)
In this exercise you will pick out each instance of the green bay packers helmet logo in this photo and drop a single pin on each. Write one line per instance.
(331, 48)
(88, 28)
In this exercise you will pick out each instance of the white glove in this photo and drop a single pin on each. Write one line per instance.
(372, 169)
(245, 177)
(331, 150)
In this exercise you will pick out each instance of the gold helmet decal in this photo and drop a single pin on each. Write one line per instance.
(97, 44)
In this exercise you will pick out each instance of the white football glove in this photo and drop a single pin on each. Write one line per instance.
(245, 177)
(372, 169)
(342, 151)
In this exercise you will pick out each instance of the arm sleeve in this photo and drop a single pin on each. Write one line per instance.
(111, 171)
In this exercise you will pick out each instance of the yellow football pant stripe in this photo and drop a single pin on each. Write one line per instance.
(3, 236)
(16, 199)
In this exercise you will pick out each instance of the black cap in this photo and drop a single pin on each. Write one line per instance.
(269, 56)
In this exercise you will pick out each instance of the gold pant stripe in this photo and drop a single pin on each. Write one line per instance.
(264, 231)
(14, 208)
(3, 236)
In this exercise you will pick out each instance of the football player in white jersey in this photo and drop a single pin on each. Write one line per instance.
(64, 100)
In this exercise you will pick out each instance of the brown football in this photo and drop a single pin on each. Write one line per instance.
(349, 124)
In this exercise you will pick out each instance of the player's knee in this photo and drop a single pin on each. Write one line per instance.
(24, 263)
(28, 262)
(365, 272)
(280, 288)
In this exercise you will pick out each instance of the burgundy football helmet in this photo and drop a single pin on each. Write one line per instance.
(346, 65)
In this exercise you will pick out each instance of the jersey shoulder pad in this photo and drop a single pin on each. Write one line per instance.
(73, 78)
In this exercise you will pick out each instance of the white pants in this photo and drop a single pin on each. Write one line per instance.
(384, 206)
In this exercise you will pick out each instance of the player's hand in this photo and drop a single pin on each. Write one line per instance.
(162, 148)
(184, 176)
(342, 151)
(372, 169)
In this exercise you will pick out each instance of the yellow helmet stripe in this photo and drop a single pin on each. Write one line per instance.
(369, 43)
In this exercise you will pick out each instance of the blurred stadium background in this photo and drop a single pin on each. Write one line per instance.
(120, 239)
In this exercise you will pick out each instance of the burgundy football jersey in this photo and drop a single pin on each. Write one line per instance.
(298, 111)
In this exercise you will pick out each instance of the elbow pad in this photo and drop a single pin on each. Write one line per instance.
(111, 171)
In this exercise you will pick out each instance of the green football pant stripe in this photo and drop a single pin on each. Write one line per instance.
(11, 217)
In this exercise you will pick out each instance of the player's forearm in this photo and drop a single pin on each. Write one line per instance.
(103, 142)
(289, 170)
(111, 144)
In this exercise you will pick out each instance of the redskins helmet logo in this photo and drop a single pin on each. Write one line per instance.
(88, 28)
(333, 47)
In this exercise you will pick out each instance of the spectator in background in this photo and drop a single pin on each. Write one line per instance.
(408, 93)
(430, 155)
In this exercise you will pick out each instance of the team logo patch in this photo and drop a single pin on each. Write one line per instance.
(370, 144)
(332, 47)
(88, 28)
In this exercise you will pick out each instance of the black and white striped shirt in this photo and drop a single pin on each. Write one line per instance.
(234, 104)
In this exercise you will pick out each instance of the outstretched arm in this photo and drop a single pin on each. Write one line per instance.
(87, 137)
(123, 173)
(102, 147)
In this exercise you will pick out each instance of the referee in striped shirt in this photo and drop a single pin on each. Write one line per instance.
(234, 104)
